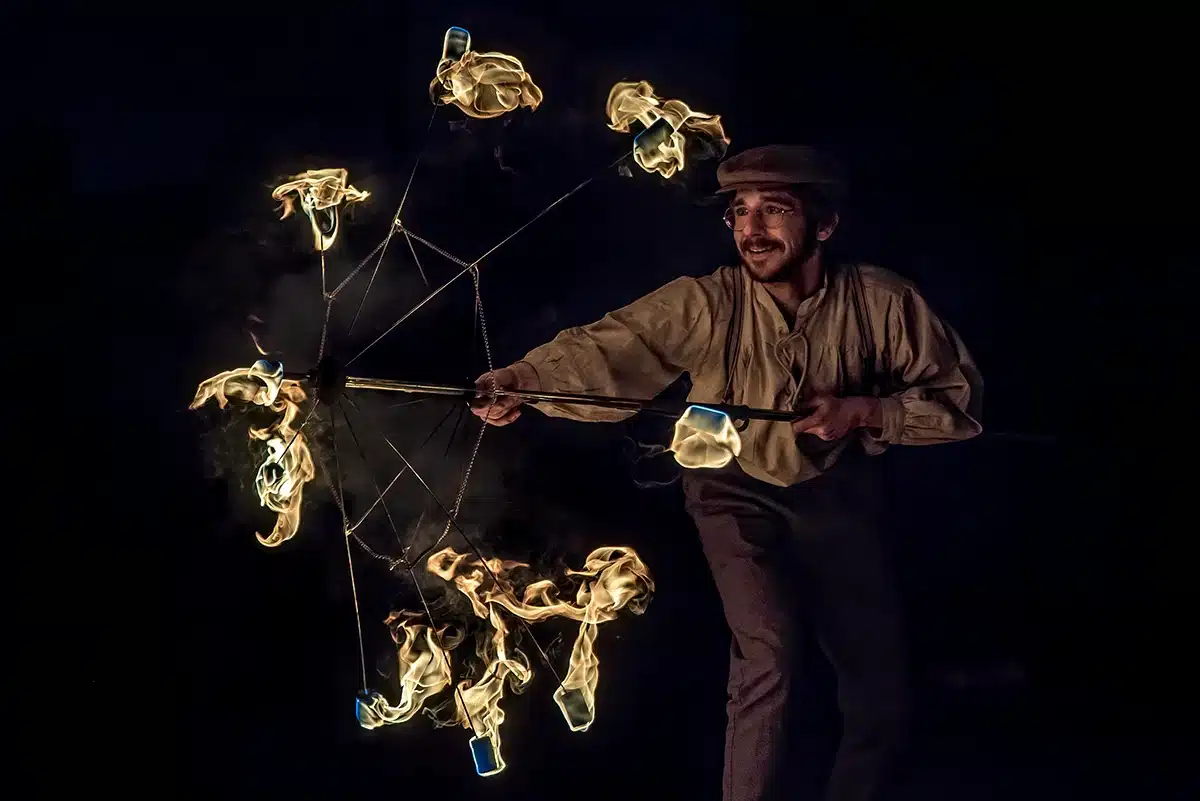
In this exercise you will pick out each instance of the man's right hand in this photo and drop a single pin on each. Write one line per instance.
(504, 409)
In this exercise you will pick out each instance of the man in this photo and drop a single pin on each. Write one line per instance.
(792, 524)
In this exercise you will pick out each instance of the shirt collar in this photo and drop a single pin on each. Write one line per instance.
(812, 302)
(807, 307)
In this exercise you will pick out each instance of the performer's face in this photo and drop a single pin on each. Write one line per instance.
(770, 232)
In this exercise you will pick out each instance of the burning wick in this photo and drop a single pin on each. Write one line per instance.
(612, 579)
(668, 126)
(705, 438)
(647, 143)
(481, 85)
(320, 192)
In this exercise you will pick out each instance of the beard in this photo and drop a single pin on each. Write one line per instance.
(769, 260)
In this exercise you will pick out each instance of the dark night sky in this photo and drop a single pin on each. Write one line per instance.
(963, 147)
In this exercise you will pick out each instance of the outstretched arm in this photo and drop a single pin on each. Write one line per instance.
(634, 352)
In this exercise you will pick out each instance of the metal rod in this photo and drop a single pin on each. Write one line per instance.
(663, 407)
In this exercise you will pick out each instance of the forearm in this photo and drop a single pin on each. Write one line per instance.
(527, 376)
(919, 416)
(572, 367)
(871, 416)
(634, 352)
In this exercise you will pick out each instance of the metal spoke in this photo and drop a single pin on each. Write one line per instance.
(489, 252)
(474, 549)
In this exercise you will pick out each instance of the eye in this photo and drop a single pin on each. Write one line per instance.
(740, 211)
(771, 208)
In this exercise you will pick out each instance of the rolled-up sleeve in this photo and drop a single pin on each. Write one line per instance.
(941, 390)
(635, 352)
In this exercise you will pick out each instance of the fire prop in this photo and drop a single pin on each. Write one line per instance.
(288, 466)
(706, 436)
(612, 579)
(481, 85)
(668, 125)
(320, 193)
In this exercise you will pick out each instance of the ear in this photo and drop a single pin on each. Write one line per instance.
(825, 231)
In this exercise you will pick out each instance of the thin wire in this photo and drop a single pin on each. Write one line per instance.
(357, 269)
(475, 263)
(412, 174)
(357, 613)
(371, 475)
(339, 497)
(420, 447)
(409, 403)
(487, 347)
(449, 669)
(478, 555)
(311, 412)
(417, 260)
(324, 293)
(363, 300)
(462, 410)
(417, 527)
(325, 329)
(392, 229)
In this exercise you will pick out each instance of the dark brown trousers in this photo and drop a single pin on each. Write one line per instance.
(779, 554)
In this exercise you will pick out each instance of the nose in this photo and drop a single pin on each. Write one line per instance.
(754, 224)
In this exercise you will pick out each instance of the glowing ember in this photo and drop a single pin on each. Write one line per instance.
(705, 438)
(281, 477)
(481, 85)
(661, 150)
(320, 193)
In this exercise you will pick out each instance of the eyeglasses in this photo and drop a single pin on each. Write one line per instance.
(772, 216)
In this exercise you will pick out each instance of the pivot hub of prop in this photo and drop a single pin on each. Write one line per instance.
(329, 380)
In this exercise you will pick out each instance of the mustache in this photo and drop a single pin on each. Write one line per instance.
(760, 240)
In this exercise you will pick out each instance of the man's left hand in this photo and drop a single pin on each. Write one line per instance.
(832, 418)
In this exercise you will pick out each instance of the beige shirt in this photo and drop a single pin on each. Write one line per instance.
(639, 350)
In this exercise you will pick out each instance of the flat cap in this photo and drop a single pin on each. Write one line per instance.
(781, 165)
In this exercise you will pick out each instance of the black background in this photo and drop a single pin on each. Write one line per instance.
(1033, 558)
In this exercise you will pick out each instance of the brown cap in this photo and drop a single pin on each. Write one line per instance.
(780, 165)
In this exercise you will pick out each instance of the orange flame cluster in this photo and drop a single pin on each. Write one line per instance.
(612, 579)
(319, 191)
(281, 477)
(635, 100)
(481, 85)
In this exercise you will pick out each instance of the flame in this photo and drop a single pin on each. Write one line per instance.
(612, 578)
(705, 438)
(662, 151)
(281, 477)
(481, 85)
(257, 345)
(319, 190)
(424, 672)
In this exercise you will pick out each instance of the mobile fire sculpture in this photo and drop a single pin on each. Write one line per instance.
(612, 578)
